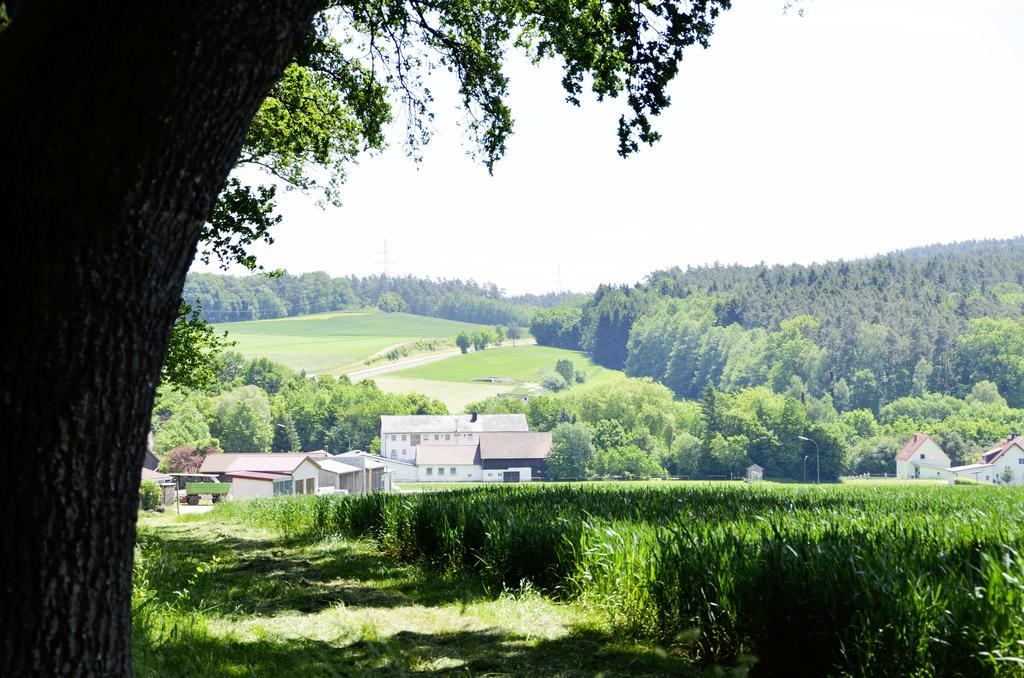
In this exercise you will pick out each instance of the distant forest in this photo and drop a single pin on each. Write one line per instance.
(864, 333)
(223, 298)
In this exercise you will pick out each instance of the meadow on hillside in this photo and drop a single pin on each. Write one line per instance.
(453, 380)
(336, 343)
(523, 364)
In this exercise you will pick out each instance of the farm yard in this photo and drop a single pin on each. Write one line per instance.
(843, 580)
(336, 343)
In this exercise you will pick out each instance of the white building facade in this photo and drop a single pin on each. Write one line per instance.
(922, 457)
(1003, 464)
(400, 436)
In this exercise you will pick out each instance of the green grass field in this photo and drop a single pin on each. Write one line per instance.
(844, 579)
(452, 379)
(335, 343)
(523, 364)
(215, 598)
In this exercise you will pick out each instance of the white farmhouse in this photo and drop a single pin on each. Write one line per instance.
(922, 457)
(1003, 464)
(400, 436)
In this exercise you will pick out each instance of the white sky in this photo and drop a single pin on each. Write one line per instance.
(862, 127)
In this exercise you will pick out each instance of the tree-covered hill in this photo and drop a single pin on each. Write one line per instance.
(225, 298)
(866, 332)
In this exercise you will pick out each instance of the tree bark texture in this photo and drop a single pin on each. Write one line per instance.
(119, 122)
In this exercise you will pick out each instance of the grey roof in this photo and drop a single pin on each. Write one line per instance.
(150, 474)
(515, 445)
(360, 459)
(443, 455)
(452, 423)
(971, 467)
(336, 466)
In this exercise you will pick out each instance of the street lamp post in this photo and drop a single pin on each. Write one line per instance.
(817, 457)
(806, 457)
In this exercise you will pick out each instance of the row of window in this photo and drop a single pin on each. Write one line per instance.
(437, 436)
(440, 471)
(1020, 460)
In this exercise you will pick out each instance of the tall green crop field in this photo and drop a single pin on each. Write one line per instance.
(812, 581)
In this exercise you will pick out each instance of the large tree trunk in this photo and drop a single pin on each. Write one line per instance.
(118, 125)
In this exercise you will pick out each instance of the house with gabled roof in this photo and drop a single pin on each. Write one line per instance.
(1003, 464)
(465, 447)
(922, 457)
(402, 435)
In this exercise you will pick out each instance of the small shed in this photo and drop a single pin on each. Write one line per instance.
(168, 488)
(754, 474)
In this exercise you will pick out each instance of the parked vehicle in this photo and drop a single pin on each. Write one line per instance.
(193, 486)
(195, 491)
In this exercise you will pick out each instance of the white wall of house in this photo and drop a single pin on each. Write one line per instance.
(933, 473)
(449, 473)
(983, 474)
(498, 475)
(454, 473)
(401, 472)
(1012, 459)
(402, 446)
(250, 488)
(306, 477)
(927, 455)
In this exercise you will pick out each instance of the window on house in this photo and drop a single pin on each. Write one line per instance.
(394, 437)
(447, 436)
(1020, 460)
(452, 470)
(430, 471)
(403, 436)
(922, 455)
(440, 471)
(437, 437)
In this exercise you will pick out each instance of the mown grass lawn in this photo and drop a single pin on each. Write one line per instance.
(521, 363)
(452, 380)
(213, 598)
(333, 343)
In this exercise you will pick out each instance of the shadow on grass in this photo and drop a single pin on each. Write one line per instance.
(211, 575)
(223, 574)
(583, 652)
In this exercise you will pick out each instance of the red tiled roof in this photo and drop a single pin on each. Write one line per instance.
(275, 462)
(256, 475)
(999, 450)
(911, 447)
